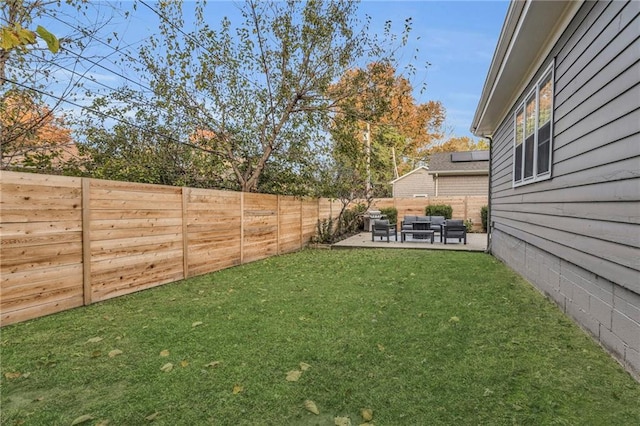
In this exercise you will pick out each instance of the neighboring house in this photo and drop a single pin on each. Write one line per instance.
(448, 174)
(416, 183)
(460, 173)
(561, 103)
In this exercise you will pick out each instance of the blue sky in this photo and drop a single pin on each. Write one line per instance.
(456, 37)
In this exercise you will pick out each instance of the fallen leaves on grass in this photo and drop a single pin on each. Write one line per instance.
(342, 421)
(94, 340)
(214, 364)
(82, 419)
(311, 406)
(152, 417)
(164, 352)
(294, 375)
(237, 389)
(454, 319)
(184, 363)
(367, 414)
(11, 376)
(167, 367)
(115, 353)
(197, 323)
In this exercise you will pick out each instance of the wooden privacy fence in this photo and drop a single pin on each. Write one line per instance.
(464, 207)
(68, 242)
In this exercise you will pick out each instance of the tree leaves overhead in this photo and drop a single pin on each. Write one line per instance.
(379, 103)
(254, 92)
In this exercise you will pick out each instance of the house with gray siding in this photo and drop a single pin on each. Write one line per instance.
(561, 106)
(448, 174)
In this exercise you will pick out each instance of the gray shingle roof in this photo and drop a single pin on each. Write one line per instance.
(459, 161)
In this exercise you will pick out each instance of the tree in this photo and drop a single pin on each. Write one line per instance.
(16, 14)
(260, 87)
(33, 137)
(464, 143)
(34, 84)
(380, 106)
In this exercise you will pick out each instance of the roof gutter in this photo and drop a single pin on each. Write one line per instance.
(458, 172)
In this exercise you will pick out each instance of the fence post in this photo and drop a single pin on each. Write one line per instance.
(301, 222)
(185, 232)
(86, 240)
(241, 228)
(278, 225)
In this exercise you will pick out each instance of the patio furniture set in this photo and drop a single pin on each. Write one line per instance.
(421, 228)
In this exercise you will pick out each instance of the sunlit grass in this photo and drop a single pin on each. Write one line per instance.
(419, 337)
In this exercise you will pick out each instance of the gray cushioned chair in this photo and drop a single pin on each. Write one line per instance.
(382, 228)
(454, 229)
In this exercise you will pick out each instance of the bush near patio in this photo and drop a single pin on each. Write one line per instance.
(484, 213)
(403, 336)
(391, 213)
(439, 210)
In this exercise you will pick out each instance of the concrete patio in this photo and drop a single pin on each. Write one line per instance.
(475, 242)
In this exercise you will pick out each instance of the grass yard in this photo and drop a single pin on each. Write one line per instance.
(417, 337)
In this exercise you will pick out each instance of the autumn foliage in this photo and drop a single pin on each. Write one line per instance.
(402, 131)
(31, 136)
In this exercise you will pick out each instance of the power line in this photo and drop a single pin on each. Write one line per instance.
(117, 50)
(104, 115)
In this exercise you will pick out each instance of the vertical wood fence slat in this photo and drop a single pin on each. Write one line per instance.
(278, 215)
(241, 228)
(86, 240)
(185, 231)
(301, 223)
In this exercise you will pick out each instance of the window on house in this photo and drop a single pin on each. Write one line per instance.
(533, 129)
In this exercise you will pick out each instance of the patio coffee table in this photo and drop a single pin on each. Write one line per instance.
(424, 233)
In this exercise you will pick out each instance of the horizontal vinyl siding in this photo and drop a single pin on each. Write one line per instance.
(419, 182)
(588, 213)
(462, 185)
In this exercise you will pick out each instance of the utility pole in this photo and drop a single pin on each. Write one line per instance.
(367, 137)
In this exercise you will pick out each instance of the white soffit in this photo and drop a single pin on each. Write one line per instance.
(530, 31)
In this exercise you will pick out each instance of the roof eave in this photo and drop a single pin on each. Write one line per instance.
(530, 30)
(459, 172)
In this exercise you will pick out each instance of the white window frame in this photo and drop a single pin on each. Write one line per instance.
(522, 106)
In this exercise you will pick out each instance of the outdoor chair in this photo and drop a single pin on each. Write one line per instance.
(382, 228)
(454, 229)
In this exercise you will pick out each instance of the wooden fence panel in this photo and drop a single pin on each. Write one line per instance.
(40, 245)
(309, 219)
(260, 226)
(290, 224)
(135, 237)
(213, 230)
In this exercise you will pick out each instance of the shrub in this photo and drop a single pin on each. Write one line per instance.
(325, 232)
(352, 220)
(439, 210)
(484, 213)
(469, 225)
(349, 222)
(391, 213)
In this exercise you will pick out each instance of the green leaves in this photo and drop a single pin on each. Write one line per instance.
(52, 41)
(17, 37)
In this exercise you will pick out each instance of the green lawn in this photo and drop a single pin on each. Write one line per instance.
(418, 337)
